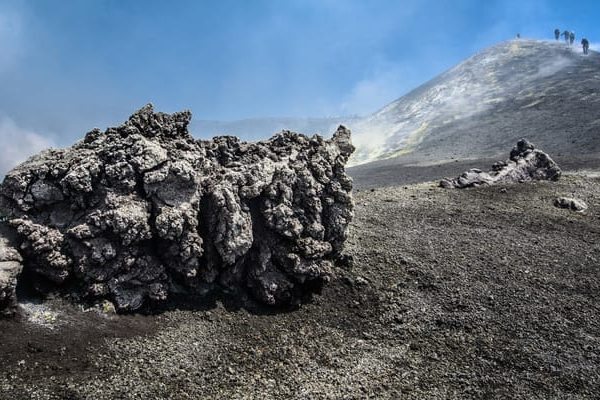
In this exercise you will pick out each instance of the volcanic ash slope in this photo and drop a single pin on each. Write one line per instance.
(544, 91)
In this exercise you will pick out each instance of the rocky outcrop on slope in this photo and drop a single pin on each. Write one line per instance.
(141, 211)
(526, 164)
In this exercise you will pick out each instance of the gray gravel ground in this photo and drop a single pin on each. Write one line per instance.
(454, 294)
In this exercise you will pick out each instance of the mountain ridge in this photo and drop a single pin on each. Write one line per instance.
(545, 91)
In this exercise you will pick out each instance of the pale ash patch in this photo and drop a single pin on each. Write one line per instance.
(41, 314)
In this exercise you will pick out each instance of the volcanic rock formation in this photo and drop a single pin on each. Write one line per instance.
(144, 210)
(525, 164)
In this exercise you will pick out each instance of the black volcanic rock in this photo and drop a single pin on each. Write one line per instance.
(144, 210)
(11, 265)
(526, 164)
(570, 203)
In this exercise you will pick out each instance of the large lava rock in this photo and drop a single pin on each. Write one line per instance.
(144, 210)
(526, 164)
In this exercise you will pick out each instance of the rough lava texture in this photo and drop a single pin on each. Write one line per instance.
(570, 203)
(141, 211)
(11, 265)
(526, 164)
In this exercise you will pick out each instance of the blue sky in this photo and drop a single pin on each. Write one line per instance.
(67, 66)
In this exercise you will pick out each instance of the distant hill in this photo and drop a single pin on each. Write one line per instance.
(261, 128)
(544, 91)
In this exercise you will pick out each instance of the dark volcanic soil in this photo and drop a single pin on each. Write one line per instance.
(454, 294)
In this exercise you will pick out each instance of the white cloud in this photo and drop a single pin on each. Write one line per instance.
(16, 144)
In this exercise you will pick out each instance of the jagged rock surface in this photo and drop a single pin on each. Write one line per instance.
(526, 164)
(10, 268)
(144, 210)
(570, 203)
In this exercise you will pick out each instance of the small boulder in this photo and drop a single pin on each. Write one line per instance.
(526, 164)
(570, 203)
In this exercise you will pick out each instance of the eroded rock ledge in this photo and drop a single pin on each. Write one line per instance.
(526, 164)
(141, 211)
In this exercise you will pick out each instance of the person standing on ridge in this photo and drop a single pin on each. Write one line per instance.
(557, 33)
(567, 35)
(571, 38)
(586, 45)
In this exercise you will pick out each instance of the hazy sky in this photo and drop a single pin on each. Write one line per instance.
(67, 66)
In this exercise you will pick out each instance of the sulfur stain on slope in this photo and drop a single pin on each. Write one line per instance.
(410, 142)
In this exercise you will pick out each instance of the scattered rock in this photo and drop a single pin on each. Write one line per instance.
(346, 261)
(526, 164)
(570, 203)
(360, 281)
(106, 307)
(143, 210)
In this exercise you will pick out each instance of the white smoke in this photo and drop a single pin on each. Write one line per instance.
(552, 66)
(370, 93)
(17, 144)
